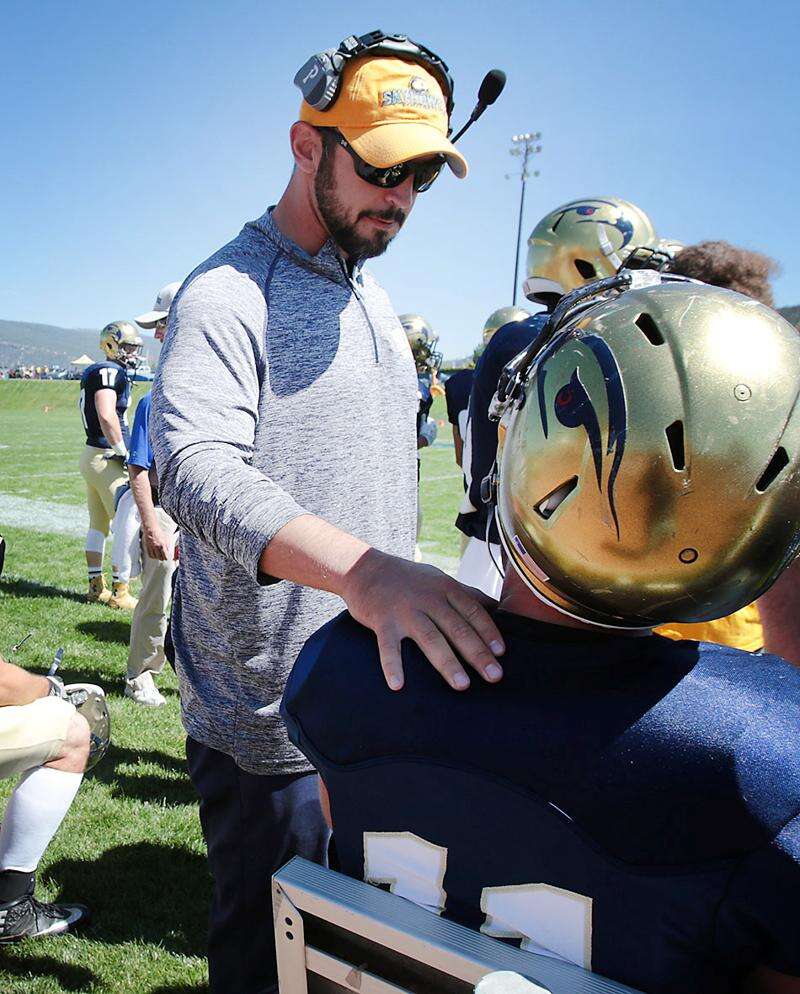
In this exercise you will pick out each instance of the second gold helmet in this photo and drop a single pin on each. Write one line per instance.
(423, 340)
(581, 241)
(122, 343)
(503, 315)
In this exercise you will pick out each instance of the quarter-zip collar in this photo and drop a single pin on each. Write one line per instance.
(328, 262)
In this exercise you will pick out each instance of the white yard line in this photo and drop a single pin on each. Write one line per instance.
(34, 476)
(43, 515)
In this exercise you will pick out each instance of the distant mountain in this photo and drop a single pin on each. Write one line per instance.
(23, 343)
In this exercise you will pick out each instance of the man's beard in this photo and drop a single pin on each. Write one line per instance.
(356, 247)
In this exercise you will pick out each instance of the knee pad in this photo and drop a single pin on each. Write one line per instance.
(95, 541)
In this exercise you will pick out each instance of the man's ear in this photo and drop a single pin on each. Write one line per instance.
(306, 143)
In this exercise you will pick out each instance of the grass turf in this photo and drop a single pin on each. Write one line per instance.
(131, 846)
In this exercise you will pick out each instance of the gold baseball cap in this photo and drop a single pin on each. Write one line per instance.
(390, 110)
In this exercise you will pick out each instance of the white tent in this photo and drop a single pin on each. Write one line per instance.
(82, 361)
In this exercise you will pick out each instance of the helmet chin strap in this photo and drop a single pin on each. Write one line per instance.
(497, 566)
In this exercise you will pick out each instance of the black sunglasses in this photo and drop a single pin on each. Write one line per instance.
(424, 172)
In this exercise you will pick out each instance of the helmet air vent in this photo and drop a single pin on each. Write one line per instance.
(649, 329)
(674, 433)
(777, 463)
(586, 269)
(556, 498)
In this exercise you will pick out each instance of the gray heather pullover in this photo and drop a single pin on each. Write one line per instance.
(284, 387)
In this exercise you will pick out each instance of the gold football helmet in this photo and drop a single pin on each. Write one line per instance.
(422, 339)
(669, 246)
(503, 315)
(122, 343)
(649, 453)
(582, 241)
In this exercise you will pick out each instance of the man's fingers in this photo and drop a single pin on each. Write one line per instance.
(466, 641)
(433, 643)
(391, 663)
(464, 600)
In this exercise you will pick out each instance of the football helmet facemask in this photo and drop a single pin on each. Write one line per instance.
(503, 315)
(122, 343)
(581, 241)
(649, 454)
(423, 340)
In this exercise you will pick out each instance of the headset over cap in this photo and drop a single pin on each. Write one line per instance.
(649, 456)
(390, 97)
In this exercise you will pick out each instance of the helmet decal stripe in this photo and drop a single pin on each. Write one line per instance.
(574, 408)
(617, 412)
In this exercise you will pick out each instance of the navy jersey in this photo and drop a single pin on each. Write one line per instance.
(104, 376)
(425, 401)
(481, 445)
(456, 391)
(627, 804)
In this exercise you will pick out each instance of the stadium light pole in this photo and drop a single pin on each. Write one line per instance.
(523, 145)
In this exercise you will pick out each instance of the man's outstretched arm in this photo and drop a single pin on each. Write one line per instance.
(395, 598)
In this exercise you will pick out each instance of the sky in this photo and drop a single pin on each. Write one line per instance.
(138, 137)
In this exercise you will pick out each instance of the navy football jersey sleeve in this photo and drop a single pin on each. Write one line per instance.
(481, 447)
(626, 804)
(104, 376)
(456, 390)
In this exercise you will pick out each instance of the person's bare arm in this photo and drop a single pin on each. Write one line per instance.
(397, 599)
(17, 686)
(779, 609)
(765, 981)
(155, 540)
(105, 403)
(458, 443)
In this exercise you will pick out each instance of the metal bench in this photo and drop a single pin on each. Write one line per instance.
(335, 934)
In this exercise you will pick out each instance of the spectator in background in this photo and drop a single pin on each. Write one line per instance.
(159, 535)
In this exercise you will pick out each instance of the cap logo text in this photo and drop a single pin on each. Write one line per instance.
(416, 94)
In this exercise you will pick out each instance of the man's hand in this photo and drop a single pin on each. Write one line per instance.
(398, 599)
(155, 541)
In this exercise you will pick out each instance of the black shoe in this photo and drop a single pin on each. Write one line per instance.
(26, 918)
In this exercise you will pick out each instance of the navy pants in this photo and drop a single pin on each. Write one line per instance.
(252, 825)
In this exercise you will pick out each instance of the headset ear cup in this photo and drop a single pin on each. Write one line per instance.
(318, 80)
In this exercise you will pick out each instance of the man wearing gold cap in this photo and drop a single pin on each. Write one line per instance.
(272, 343)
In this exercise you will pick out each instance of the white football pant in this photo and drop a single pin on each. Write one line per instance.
(126, 553)
(476, 568)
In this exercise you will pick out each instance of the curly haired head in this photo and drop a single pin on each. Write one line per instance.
(725, 265)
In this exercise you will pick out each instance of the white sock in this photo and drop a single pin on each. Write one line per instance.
(32, 816)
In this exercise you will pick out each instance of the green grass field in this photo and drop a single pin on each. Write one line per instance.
(131, 846)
